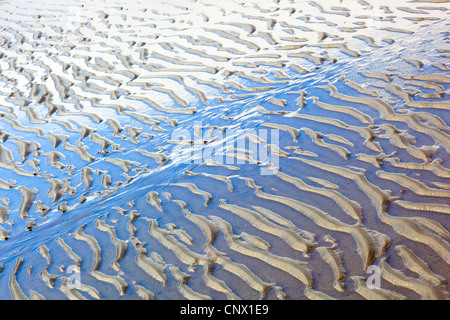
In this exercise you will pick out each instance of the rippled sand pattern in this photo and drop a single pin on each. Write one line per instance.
(108, 110)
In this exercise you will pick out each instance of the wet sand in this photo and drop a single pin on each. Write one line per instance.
(211, 150)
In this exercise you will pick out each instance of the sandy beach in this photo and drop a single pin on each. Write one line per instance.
(275, 149)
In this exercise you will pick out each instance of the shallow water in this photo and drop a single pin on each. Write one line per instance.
(264, 150)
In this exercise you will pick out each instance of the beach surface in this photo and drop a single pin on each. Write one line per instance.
(224, 149)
